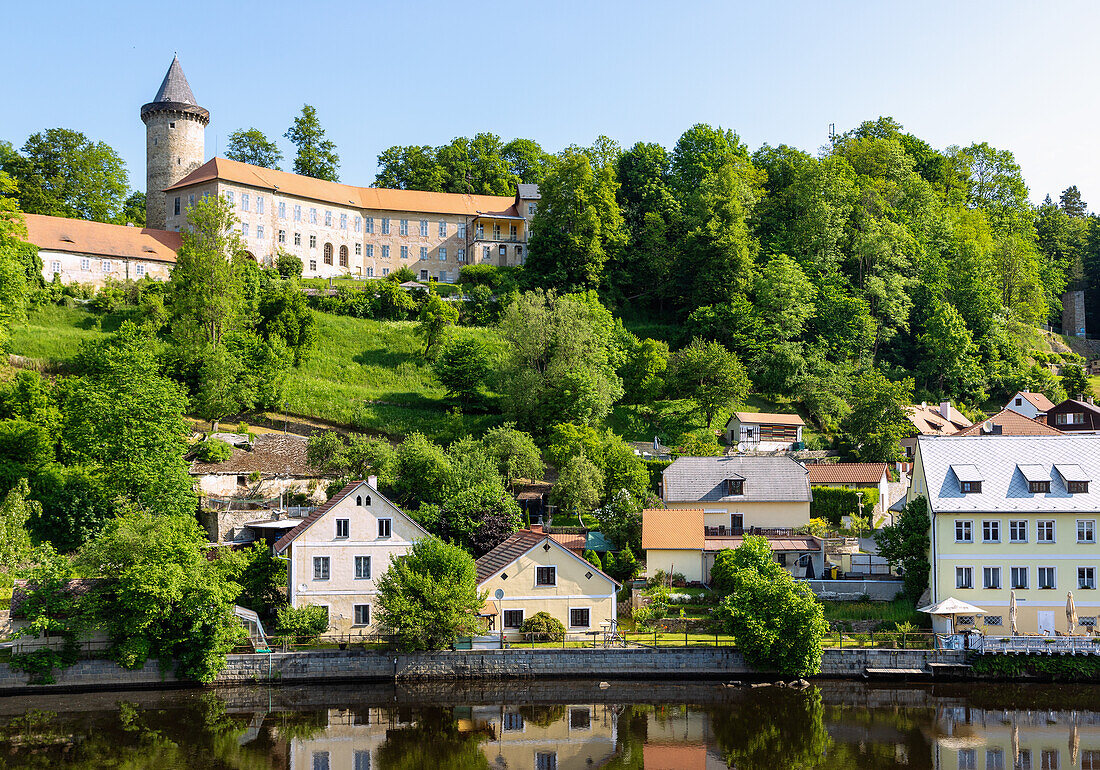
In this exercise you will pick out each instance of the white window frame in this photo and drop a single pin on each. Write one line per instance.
(297, 212)
(1014, 572)
(357, 563)
(313, 265)
(553, 582)
(345, 525)
(442, 253)
(85, 263)
(461, 229)
(385, 251)
(404, 252)
(259, 204)
(989, 572)
(503, 614)
(1086, 527)
(368, 225)
(297, 239)
(313, 216)
(1086, 574)
(988, 526)
(1014, 525)
(424, 252)
(328, 218)
(960, 572)
(423, 228)
(139, 269)
(580, 609)
(245, 202)
(968, 528)
(388, 528)
(403, 226)
(260, 232)
(1053, 572)
(461, 256)
(228, 196)
(322, 568)
(1040, 526)
(355, 621)
(282, 209)
(358, 249)
(443, 228)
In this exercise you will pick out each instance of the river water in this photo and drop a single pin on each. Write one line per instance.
(548, 725)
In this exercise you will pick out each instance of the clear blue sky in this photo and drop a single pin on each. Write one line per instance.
(1020, 75)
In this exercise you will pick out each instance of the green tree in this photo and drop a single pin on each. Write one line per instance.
(905, 544)
(123, 417)
(1075, 380)
(251, 146)
(778, 623)
(526, 160)
(133, 210)
(951, 359)
(621, 521)
(709, 375)
(577, 226)
(1070, 200)
(409, 168)
(205, 291)
(63, 173)
(15, 284)
(16, 512)
(579, 485)
(288, 265)
(161, 597)
(878, 420)
(77, 501)
(784, 297)
(436, 317)
(316, 155)
(514, 452)
(422, 471)
(428, 597)
(462, 367)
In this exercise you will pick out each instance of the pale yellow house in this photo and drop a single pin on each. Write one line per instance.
(585, 736)
(337, 554)
(1013, 513)
(535, 573)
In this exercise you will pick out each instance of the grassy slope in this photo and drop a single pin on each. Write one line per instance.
(369, 374)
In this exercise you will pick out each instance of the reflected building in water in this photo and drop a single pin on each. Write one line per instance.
(994, 739)
(557, 737)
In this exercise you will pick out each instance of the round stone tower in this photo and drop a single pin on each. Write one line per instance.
(175, 129)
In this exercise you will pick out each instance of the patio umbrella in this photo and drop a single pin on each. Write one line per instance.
(951, 608)
(1012, 611)
(1015, 743)
(1074, 745)
(1071, 612)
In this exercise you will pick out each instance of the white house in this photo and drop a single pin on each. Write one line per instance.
(336, 555)
(1029, 404)
(763, 431)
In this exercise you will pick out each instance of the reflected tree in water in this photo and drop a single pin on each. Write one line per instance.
(434, 741)
(779, 729)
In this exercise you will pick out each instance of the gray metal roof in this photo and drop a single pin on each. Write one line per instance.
(529, 191)
(767, 479)
(998, 461)
(174, 87)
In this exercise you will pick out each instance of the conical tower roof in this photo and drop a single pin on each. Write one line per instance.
(175, 88)
(174, 95)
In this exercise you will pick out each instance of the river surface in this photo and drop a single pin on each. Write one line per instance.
(548, 725)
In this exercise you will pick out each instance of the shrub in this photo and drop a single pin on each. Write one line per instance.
(543, 627)
(593, 558)
(832, 503)
(622, 566)
(306, 622)
(213, 450)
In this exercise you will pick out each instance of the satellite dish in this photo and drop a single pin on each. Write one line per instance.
(303, 587)
(741, 446)
(499, 593)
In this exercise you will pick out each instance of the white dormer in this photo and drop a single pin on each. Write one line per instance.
(970, 479)
(1037, 477)
(1074, 477)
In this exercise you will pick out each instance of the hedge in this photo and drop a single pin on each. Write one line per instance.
(833, 502)
(655, 468)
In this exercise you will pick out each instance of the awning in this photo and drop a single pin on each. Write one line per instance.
(778, 544)
(274, 524)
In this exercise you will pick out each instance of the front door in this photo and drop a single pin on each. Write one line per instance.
(1046, 623)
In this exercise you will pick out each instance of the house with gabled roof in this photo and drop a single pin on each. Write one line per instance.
(853, 476)
(1029, 404)
(531, 572)
(763, 431)
(336, 555)
(1010, 422)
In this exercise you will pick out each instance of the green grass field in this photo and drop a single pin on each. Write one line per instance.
(365, 374)
(890, 613)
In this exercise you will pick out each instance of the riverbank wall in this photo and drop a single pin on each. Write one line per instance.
(720, 663)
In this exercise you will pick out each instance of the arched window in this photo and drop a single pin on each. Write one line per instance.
(328, 253)
(359, 500)
(251, 256)
(343, 256)
(368, 499)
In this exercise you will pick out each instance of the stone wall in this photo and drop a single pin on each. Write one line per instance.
(635, 663)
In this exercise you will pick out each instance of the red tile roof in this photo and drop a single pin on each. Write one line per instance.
(867, 474)
(672, 529)
(1038, 400)
(572, 541)
(79, 236)
(282, 543)
(517, 544)
(766, 418)
(376, 198)
(1011, 424)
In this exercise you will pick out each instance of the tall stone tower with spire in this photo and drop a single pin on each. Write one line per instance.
(175, 130)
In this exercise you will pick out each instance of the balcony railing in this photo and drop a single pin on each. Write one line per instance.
(497, 238)
(724, 531)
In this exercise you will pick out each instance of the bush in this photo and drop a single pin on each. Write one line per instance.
(288, 265)
(543, 627)
(307, 622)
(832, 502)
(622, 566)
(213, 450)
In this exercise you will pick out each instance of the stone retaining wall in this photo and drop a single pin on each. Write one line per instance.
(634, 663)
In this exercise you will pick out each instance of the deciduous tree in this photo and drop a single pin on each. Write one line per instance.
(709, 375)
(316, 155)
(251, 146)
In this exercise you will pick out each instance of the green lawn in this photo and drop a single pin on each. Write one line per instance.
(54, 333)
(890, 613)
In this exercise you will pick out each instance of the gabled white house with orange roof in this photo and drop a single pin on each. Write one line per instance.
(336, 555)
(1029, 404)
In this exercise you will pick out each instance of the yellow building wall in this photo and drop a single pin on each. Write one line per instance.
(584, 737)
(990, 744)
(690, 563)
(573, 590)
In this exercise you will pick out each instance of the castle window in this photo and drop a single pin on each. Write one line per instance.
(530, 209)
(259, 204)
(297, 239)
(386, 255)
(328, 218)
(313, 216)
(385, 271)
(461, 256)
(282, 236)
(177, 206)
(297, 213)
(282, 209)
(461, 229)
(487, 252)
(229, 197)
(190, 200)
(358, 249)
(358, 223)
(85, 264)
(139, 269)
(442, 229)
(313, 266)
(328, 253)
(343, 256)
(260, 232)
(404, 227)
(503, 251)
(370, 272)
(106, 265)
(343, 221)
(179, 161)
(423, 228)
(423, 252)
(368, 225)
(55, 268)
(404, 252)
(385, 225)
(442, 253)
(370, 250)
(313, 241)
(244, 202)
(244, 229)
(172, 124)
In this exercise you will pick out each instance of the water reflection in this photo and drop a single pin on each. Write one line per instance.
(552, 726)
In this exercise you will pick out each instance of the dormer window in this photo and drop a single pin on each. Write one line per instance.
(970, 480)
(1076, 481)
(1038, 487)
(971, 486)
(735, 486)
(1077, 487)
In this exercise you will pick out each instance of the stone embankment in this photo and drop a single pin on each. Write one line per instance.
(353, 665)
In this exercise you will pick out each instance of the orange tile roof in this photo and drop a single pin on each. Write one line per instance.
(929, 421)
(574, 542)
(769, 418)
(80, 236)
(674, 756)
(1038, 400)
(1011, 424)
(869, 474)
(672, 529)
(376, 198)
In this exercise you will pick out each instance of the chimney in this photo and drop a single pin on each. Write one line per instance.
(536, 528)
(945, 409)
(372, 482)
